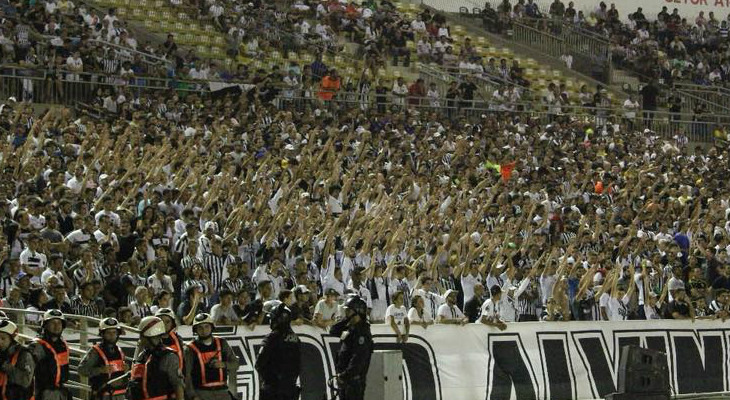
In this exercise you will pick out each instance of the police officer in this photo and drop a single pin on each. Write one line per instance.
(16, 365)
(104, 362)
(156, 371)
(50, 353)
(171, 338)
(356, 347)
(279, 361)
(209, 362)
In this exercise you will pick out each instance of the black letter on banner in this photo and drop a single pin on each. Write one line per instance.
(420, 370)
(558, 373)
(509, 368)
(693, 376)
(600, 370)
(312, 377)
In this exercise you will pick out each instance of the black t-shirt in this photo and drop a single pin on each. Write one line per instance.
(649, 94)
(467, 90)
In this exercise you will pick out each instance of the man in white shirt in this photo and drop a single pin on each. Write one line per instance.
(105, 234)
(449, 312)
(491, 309)
(75, 65)
(469, 279)
(263, 273)
(418, 26)
(33, 262)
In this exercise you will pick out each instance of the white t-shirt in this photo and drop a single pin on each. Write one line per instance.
(450, 312)
(490, 309)
(399, 314)
(467, 285)
(327, 312)
(414, 317)
(617, 310)
(603, 302)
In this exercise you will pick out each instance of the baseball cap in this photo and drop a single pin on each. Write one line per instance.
(331, 292)
(450, 292)
(302, 289)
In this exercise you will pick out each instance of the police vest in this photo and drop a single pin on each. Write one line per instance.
(175, 343)
(113, 359)
(205, 376)
(52, 372)
(12, 391)
(146, 382)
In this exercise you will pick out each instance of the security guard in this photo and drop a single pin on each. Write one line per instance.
(171, 338)
(16, 365)
(104, 362)
(155, 372)
(279, 362)
(208, 361)
(50, 353)
(356, 347)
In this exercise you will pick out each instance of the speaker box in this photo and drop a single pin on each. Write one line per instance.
(643, 371)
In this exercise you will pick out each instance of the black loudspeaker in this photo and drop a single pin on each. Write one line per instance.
(643, 371)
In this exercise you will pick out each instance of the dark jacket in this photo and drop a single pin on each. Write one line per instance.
(353, 358)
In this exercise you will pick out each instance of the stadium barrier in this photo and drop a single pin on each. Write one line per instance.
(41, 86)
(540, 360)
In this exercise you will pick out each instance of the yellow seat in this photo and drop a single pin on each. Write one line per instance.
(482, 40)
(138, 13)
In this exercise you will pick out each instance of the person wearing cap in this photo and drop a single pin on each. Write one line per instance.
(356, 348)
(171, 339)
(50, 354)
(301, 308)
(490, 313)
(210, 232)
(449, 312)
(32, 261)
(105, 361)
(210, 364)
(16, 364)
(279, 360)
(327, 311)
(156, 369)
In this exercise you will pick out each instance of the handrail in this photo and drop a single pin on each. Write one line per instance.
(72, 316)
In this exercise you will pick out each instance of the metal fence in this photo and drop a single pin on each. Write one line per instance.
(88, 87)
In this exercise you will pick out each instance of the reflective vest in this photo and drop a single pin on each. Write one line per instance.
(11, 391)
(205, 376)
(146, 383)
(174, 342)
(52, 372)
(115, 359)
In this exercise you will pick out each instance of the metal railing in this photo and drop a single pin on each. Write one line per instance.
(77, 324)
(668, 125)
(715, 98)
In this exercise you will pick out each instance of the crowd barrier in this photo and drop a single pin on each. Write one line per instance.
(59, 89)
(540, 360)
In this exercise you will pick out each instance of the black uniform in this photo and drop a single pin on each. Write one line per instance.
(353, 359)
(278, 365)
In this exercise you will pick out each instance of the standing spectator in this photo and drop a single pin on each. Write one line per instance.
(329, 86)
(449, 312)
(397, 317)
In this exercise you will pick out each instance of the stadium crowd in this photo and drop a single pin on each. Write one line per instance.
(227, 204)
(667, 46)
(233, 202)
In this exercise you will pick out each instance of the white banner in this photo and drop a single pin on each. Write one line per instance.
(572, 360)
(687, 8)
(532, 360)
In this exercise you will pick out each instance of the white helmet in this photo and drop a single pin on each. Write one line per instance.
(8, 327)
(203, 318)
(109, 323)
(168, 313)
(151, 327)
(3, 315)
(54, 314)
